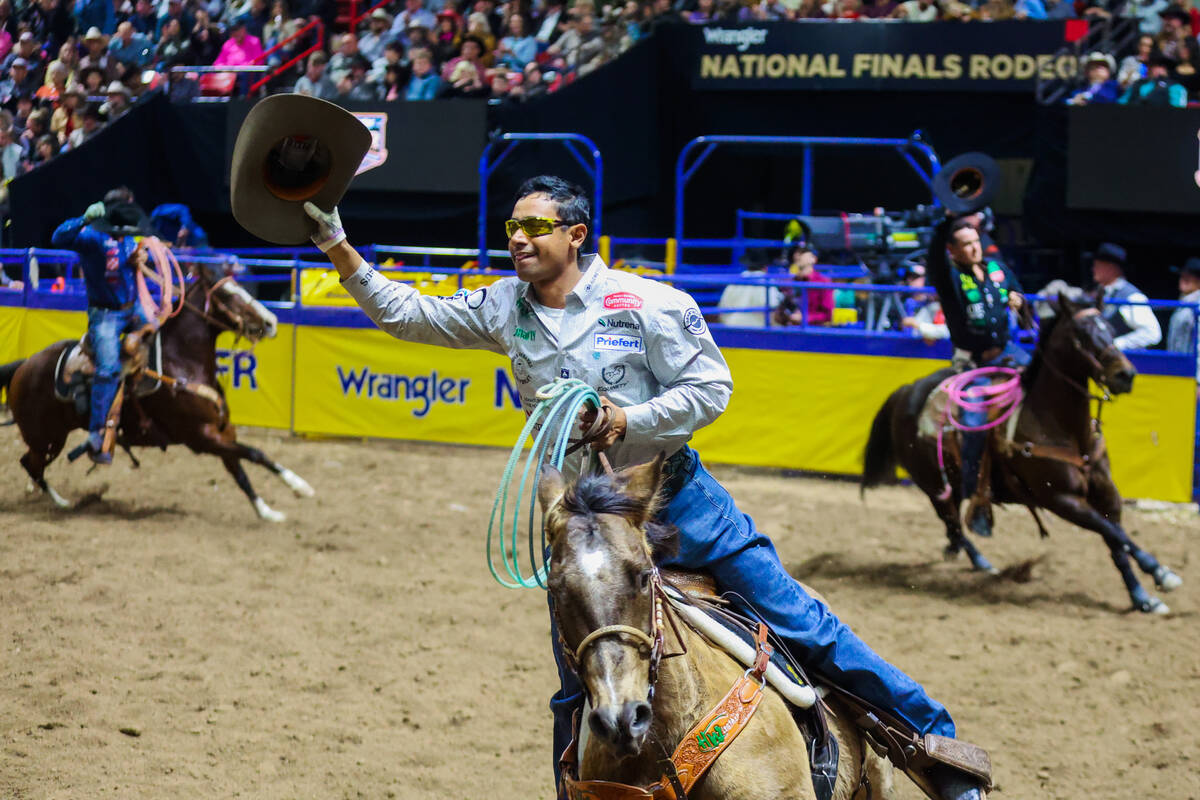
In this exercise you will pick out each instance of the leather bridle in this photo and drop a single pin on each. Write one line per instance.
(1096, 366)
(648, 643)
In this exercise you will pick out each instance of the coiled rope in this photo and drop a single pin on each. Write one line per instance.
(1005, 396)
(554, 417)
(166, 274)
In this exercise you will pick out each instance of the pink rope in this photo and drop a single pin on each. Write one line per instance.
(168, 271)
(1006, 395)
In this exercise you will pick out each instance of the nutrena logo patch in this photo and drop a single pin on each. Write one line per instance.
(622, 300)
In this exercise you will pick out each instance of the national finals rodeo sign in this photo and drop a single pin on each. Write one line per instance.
(940, 56)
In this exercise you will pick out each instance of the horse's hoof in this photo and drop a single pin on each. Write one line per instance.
(951, 552)
(1166, 580)
(297, 484)
(268, 513)
(58, 499)
(1153, 606)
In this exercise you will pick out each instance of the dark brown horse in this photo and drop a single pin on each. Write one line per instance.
(189, 407)
(1055, 458)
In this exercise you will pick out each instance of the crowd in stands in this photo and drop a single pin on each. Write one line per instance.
(511, 51)
(67, 67)
(1162, 70)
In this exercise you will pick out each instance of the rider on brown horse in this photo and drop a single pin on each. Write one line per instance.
(108, 253)
(975, 297)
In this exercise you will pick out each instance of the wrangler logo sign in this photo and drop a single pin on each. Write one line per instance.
(999, 56)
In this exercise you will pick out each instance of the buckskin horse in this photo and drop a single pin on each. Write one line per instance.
(1054, 458)
(188, 407)
(619, 630)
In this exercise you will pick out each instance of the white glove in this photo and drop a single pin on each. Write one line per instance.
(329, 227)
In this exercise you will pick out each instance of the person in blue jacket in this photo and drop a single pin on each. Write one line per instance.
(173, 223)
(1101, 88)
(109, 256)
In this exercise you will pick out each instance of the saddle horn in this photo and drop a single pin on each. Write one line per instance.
(967, 183)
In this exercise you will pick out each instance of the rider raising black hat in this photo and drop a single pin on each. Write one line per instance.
(108, 254)
(976, 297)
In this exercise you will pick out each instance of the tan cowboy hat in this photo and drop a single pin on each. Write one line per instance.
(293, 148)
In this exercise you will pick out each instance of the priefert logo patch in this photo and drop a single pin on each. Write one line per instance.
(623, 342)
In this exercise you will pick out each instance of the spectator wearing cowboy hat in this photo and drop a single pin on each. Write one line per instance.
(1157, 88)
(119, 98)
(1134, 326)
(1101, 88)
(1176, 26)
(414, 13)
(371, 43)
(1181, 331)
(98, 57)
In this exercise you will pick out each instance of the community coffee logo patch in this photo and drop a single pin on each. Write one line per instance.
(622, 300)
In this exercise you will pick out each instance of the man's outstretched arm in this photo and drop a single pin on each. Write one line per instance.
(400, 309)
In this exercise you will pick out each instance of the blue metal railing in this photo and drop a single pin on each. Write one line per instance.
(908, 149)
(571, 142)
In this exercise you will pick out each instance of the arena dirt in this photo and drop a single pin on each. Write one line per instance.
(160, 641)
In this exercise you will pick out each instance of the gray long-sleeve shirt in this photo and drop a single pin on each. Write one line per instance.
(641, 343)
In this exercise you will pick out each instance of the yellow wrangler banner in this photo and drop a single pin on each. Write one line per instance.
(362, 382)
(257, 381)
(813, 411)
(805, 411)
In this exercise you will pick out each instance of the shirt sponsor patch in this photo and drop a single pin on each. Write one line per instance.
(622, 300)
(614, 374)
(605, 322)
(623, 342)
(694, 322)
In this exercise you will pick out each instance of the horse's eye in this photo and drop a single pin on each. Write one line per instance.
(644, 579)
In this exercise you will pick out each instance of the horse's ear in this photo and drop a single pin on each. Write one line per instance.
(642, 481)
(550, 487)
(1064, 305)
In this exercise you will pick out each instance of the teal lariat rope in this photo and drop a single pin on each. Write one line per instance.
(557, 411)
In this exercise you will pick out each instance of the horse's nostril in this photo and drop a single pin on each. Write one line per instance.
(640, 720)
(604, 724)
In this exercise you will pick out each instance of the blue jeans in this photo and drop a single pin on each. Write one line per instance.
(718, 538)
(974, 442)
(105, 326)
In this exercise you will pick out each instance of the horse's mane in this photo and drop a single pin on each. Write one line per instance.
(597, 494)
(1046, 327)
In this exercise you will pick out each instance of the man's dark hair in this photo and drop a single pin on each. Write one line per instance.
(797, 249)
(959, 224)
(120, 194)
(571, 200)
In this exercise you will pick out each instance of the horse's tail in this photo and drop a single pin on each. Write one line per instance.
(879, 459)
(6, 375)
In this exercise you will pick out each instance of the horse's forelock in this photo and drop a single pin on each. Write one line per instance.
(598, 494)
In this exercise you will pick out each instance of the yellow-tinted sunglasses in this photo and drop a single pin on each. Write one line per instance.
(533, 226)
